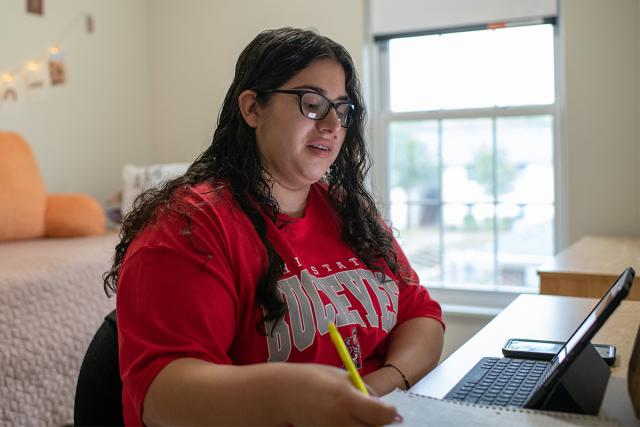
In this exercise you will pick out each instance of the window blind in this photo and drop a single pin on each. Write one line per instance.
(395, 18)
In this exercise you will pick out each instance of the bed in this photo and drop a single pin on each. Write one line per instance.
(51, 304)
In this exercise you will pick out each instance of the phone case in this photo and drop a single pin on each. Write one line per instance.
(608, 352)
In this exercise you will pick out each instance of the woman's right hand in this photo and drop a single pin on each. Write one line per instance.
(195, 392)
(323, 395)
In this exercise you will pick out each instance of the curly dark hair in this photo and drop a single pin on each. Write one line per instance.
(269, 61)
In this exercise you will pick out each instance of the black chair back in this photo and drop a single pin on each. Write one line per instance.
(98, 399)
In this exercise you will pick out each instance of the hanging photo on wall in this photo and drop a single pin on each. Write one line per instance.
(34, 6)
(34, 75)
(57, 72)
(8, 89)
(89, 25)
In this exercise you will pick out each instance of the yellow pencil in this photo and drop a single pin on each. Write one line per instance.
(346, 359)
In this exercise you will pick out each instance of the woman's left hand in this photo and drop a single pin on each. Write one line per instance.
(414, 347)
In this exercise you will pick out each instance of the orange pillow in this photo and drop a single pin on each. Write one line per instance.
(73, 215)
(22, 192)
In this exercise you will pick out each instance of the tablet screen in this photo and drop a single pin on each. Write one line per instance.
(588, 327)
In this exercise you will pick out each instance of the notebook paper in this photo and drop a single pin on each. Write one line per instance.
(418, 410)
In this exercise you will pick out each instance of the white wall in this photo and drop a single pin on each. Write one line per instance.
(601, 54)
(193, 50)
(147, 85)
(460, 328)
(82, 132)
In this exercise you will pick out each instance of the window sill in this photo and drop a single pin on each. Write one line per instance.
(474, 302)
(470, 311)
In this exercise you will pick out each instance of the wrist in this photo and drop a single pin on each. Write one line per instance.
(382, 381)
(405, 382)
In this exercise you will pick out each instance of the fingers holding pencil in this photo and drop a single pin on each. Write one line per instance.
(324, 395)
(362, 408)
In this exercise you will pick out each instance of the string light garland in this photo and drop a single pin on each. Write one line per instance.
(33, 72)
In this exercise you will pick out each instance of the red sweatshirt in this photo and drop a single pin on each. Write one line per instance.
(192, 294)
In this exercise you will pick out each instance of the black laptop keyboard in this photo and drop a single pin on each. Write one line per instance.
(499, 381)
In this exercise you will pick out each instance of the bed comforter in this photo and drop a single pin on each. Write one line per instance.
(51, 304)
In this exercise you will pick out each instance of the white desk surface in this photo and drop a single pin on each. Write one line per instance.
(544, 317)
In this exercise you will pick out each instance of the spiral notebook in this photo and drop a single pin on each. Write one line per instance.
(418, 410)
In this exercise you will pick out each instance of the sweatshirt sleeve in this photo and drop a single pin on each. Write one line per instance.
(169, 308)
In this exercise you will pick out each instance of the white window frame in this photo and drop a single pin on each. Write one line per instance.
(479, 302)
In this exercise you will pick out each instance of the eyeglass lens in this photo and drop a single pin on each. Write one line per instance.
(316, 107)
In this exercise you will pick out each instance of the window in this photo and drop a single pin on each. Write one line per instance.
(469, 124)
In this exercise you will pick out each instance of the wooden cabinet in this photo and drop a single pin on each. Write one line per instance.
(588, 267)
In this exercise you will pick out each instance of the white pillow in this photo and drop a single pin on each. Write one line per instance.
(139, 178)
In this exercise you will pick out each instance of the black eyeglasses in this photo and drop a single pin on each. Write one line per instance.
(316, 106)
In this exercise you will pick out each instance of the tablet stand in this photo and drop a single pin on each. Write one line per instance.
(581, 388)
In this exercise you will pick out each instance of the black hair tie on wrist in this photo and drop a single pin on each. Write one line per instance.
(406, 381)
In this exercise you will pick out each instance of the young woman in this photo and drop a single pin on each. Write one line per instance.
(238, 266)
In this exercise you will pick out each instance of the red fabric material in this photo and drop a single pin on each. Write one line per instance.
(193, 294)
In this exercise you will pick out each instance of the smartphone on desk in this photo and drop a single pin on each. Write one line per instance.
(545, 350)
